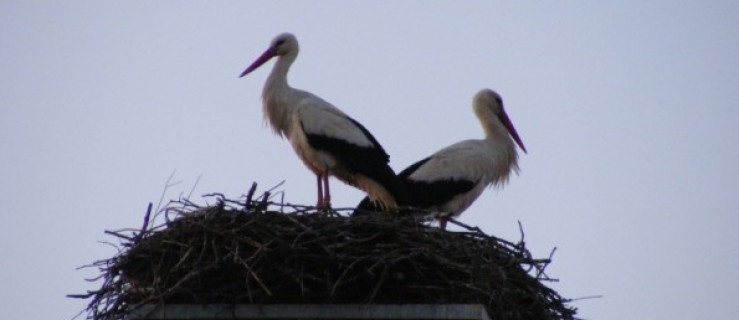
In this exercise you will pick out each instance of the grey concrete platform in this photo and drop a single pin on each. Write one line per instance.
(310, 311)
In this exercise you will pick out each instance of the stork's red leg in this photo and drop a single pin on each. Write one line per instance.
(442, 222)
(327, 199)
(319, 203)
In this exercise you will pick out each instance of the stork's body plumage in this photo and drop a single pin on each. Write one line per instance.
(450, 180)
(327, 140)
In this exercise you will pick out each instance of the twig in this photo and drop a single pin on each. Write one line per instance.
(116, 234)
(249, 195)
(167, 185)
(192, 190)
(145, 225)
(597, 296)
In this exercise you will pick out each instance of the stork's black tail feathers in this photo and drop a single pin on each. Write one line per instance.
(397, 186)
(385, 176)
(365, 207)
(402, 192)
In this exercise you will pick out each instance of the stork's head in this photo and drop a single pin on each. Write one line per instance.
(283, 44)
(487, 101)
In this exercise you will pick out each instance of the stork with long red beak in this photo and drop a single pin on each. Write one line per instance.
(328, 141)
(450, 180)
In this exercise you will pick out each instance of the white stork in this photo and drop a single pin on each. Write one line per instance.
(451, 179)
(328, 141)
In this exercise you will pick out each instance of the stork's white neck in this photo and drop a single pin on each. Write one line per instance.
(497, 136)
(276, 95)
(492, 126)
(277, 79)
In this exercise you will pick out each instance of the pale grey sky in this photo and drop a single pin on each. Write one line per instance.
(629, 111)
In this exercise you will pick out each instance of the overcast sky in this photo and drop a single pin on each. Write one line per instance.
(629, 110)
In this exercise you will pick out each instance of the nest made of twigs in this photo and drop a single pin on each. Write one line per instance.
(242, 253)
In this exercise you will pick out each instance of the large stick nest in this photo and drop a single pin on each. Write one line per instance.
(241, 253)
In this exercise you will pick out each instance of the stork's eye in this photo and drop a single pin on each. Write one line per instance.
(279, 43)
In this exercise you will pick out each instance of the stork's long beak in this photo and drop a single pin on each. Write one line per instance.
(268, 54)
(509, 125)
